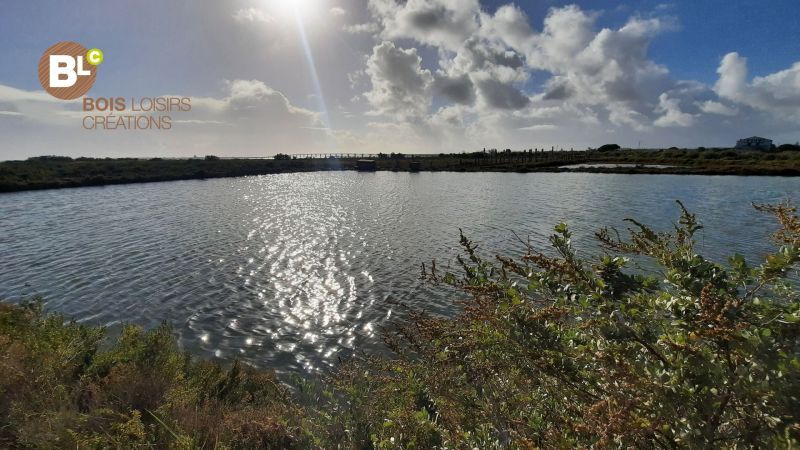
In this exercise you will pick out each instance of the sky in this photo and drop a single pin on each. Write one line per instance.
(412, 76)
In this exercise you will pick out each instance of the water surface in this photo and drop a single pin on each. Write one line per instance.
(293, 271)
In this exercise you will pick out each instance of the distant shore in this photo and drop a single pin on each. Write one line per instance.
(61, 172)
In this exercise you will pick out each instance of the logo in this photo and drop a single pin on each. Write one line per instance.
(67, 70)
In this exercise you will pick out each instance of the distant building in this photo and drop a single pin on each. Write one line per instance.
(754, 143)
(366, 165)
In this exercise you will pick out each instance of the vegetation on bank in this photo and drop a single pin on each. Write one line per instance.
(783, 161)
(56, 172)
(549, 350)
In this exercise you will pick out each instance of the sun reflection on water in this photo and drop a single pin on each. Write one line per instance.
(307, 282)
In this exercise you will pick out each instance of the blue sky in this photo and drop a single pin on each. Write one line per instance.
(384, 73)
(709, 29)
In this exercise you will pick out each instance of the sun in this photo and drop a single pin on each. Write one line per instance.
(294, 8)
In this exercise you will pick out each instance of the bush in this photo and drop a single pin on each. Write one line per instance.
(554, 351)
(211, 158)
(59, 390)
(50, 158)
(608, 148)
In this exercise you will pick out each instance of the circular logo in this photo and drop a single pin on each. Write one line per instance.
(94, 56)
(67, 71)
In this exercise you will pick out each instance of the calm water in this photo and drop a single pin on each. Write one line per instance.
(294, 271)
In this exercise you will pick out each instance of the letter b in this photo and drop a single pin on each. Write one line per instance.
(62, 65)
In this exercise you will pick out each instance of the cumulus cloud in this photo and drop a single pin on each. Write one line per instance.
(593, 80)
(599, 68)
(252, 99)
(458, 89)
(400, 87)
(509, 24)
(673, 116)
(441, 23)
(497, 94)
(490, 57)
(490, 72)
(777, 93)
(712, 107)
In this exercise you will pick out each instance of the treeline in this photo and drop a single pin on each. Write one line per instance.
(548, 351)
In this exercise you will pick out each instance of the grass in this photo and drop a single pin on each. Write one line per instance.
(60, 172)
(547, 351)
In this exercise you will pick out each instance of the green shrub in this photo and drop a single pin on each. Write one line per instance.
(555, 351)
(59, 390)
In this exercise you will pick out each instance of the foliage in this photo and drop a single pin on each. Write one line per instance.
(556, 351)
(789, 147)
(60, 390)
(50, 158)
(608, 148)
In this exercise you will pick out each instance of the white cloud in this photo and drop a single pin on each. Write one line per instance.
(252, 15)
(338, 12)
(599, 68)
(777, 93)
(509, 24)
(400, 87)
(732, 77)
(441, 23)
(362, 28)
(621, 115)
(539, 127)
(595, 79)
(489, 57)
(712, 107)
(35, 107)
(673, 116)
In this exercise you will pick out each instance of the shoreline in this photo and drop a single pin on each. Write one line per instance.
(60, 173)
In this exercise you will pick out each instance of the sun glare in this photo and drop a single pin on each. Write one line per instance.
(291, 8)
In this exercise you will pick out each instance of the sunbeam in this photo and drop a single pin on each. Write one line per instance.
(312, 67)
